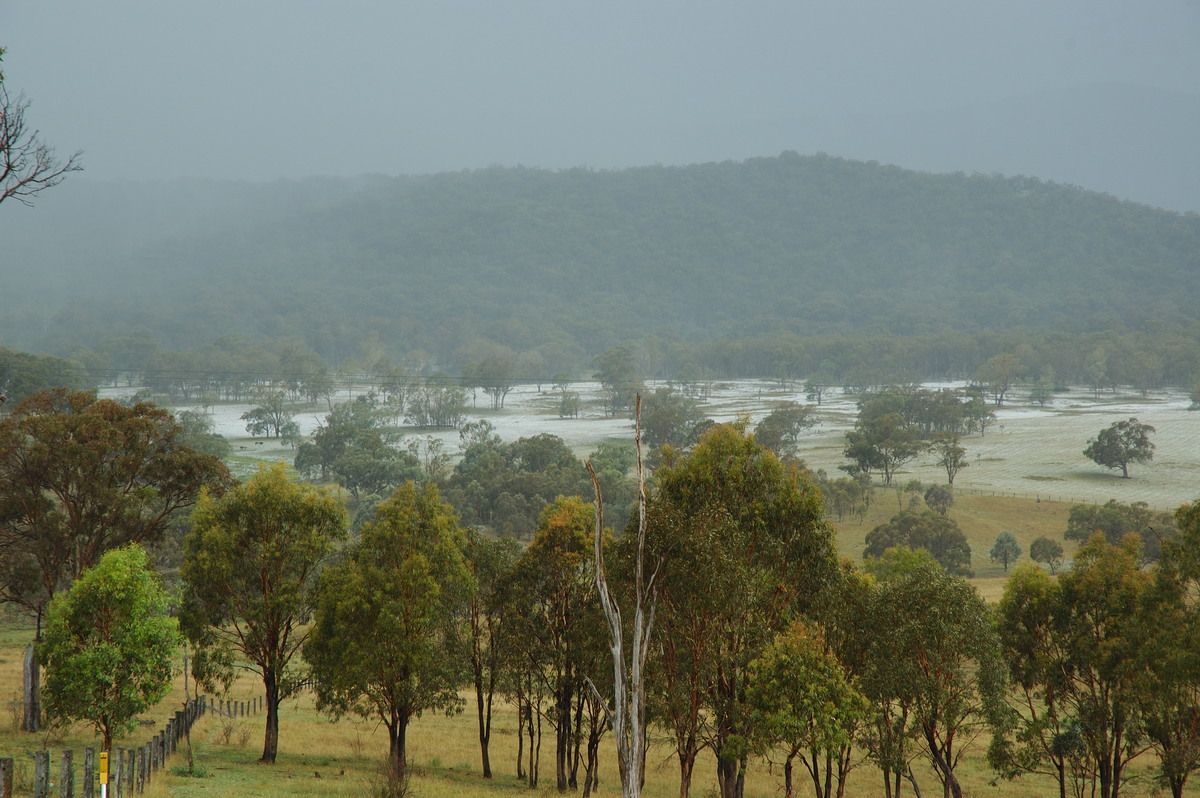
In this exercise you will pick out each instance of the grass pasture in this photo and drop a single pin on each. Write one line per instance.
(321, 758)
(1023, 477)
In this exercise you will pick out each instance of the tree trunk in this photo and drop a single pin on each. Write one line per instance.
(483, 709)
(687, 763)
(398, 744)
(31, 720)
(731, 777)
(271, 738)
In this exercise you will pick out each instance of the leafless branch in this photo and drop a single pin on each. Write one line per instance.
(27, 164)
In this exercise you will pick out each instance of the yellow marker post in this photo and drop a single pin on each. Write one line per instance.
(104, 774)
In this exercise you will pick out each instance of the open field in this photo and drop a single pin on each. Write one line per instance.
(1029, 451)
(318, 758)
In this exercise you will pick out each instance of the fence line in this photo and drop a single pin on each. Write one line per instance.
(129, 769)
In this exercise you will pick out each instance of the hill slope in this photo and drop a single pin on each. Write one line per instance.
(808, 245)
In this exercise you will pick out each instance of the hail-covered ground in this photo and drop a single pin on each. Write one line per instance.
(1028, 450)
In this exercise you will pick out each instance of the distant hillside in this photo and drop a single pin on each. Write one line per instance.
(580, 260)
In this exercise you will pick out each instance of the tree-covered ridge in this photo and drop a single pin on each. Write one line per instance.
(580, 259)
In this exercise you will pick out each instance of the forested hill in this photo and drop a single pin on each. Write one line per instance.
(580, 260)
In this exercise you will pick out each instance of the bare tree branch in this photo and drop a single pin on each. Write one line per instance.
(27, 164)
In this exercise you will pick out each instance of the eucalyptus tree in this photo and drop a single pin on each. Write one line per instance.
(935, 668)
(249, 571)
(390, 632)
(1072, 645)
(1121, 443)
(772, 553)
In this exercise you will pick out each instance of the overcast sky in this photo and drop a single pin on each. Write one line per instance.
(261, 89)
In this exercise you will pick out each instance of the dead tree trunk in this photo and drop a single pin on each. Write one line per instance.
(627, 713)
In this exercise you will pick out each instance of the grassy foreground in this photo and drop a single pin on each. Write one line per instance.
(320, 758)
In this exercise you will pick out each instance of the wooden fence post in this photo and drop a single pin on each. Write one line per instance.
(141, 769)
(31, 720)
(115, 760)
(89, 773)
(129, 770)
(6, 777)
(41, 774)
(66, 776)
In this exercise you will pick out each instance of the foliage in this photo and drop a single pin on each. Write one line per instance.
(108, 645)
(882, 443)
(950, 455)
(1071, 643)
(1122, 443)
(1048, 552)
(671, 417)
(23, 374)
(388, 631)
(1005, 550)
(272, 417)
(780, 429)
(939, 498)
(198, 434)
(935, 533)
(618, 373)
(358, 448)
(491, 560)
(80, 476)
(505, 486)
(743, 544)
(249, 569)
(935, 663)
(1116, 520)
(804, 702)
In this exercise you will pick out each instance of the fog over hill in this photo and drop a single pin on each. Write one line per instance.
(805, 245)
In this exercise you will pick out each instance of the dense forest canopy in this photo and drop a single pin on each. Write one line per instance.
(569, 263)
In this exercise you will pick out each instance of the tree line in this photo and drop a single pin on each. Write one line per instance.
(764, 643)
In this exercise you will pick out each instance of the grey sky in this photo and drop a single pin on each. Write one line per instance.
(260, 89)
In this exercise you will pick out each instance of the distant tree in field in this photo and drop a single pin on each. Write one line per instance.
(1005, 550)
(389, 635)
(1122, 443)
(1042, 391)
(998, 374)
(937, 534)
(439, 403)
(1116, 520)
(1048, 552)
(108, 645)
(977, 415)
(619, 376)
(249, 572)
(496, 375)
(950, 456)
(271, 417)
(670, 417)
(780, 429)
(883, 443)
(939, 498)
